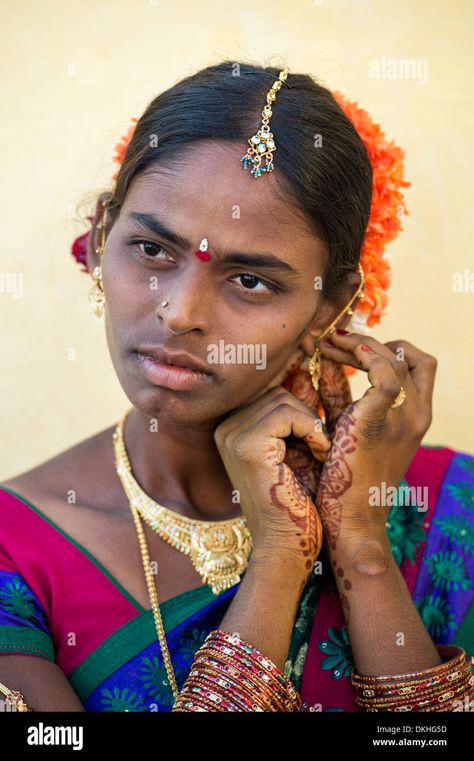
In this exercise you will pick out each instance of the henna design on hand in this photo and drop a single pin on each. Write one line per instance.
(306, 469)
(288, 495)
(336, 477)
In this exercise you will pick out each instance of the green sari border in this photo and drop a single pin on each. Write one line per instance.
(130, 639)
(24, 641)
(79, 547)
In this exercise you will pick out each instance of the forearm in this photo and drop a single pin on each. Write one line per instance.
(264, 608)
(386, 632)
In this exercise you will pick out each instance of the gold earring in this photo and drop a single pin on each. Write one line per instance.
(96, 293)
(315, 363)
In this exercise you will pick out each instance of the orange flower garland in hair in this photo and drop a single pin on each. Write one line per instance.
(387, 209)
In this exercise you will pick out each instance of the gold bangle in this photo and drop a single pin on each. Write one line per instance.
(441, 684)
(13, 697)
(264, 690)
(289, 696)
(235, 700)
(274, 673)
(264, 699)
(409, 696)
(456, 658)
(417, 704)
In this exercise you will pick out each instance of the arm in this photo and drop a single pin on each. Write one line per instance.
(240, 666)
(372, 446)
(385, 629)
(41, 682)
(264, 608)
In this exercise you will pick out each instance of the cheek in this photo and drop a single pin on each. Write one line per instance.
(256, 364)
(128, 290)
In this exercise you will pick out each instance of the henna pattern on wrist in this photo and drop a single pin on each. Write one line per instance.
(335, 481)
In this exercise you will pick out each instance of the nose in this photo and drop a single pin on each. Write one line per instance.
(188, 295)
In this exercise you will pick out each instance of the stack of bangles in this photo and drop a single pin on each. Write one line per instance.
(446, 687)
(229, 674)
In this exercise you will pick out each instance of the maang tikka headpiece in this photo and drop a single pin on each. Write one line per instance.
(262, 144)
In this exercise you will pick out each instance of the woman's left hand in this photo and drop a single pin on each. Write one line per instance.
(372, 443)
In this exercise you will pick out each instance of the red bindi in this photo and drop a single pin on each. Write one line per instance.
(202, 252)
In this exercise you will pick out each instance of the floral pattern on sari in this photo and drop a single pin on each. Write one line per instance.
(444, 590)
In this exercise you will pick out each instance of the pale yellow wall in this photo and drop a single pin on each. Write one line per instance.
(58, 132)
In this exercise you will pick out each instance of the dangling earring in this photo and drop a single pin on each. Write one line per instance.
(315, 363)
(96, 293)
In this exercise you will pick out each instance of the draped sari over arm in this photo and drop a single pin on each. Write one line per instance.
(60, 603)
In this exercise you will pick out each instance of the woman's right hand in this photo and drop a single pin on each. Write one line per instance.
(281, 516)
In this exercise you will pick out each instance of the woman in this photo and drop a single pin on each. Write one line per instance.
(290, 570)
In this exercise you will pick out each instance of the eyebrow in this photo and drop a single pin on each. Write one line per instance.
(264, 259)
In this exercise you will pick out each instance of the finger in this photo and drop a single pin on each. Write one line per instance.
(422, 368)
(300, 458)
(284, 397)
(238, 414)
(346, 345)
(281, 422)
(334, 391)
(385, 385)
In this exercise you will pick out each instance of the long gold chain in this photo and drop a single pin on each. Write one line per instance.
(155, 606)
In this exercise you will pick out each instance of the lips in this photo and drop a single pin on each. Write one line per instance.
(178, 359)
(171, 377)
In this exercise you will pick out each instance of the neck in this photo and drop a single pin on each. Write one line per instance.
(180, 467)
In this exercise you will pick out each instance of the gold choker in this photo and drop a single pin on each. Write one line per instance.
(219, 550)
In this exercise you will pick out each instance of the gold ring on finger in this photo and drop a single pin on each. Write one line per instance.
(400, 398)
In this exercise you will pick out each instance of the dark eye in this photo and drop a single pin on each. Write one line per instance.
(252, 280)
(148, 249)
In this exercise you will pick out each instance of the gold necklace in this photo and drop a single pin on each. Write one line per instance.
(219, 550)
(155, 606)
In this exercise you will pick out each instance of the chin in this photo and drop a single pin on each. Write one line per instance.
(172, 407)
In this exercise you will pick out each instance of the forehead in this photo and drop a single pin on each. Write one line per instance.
(206, 192)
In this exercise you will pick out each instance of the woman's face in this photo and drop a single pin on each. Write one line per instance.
(221, 303)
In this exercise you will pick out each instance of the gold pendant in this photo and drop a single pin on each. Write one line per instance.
(220, 555)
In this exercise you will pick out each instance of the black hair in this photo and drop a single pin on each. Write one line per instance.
(321, 162)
